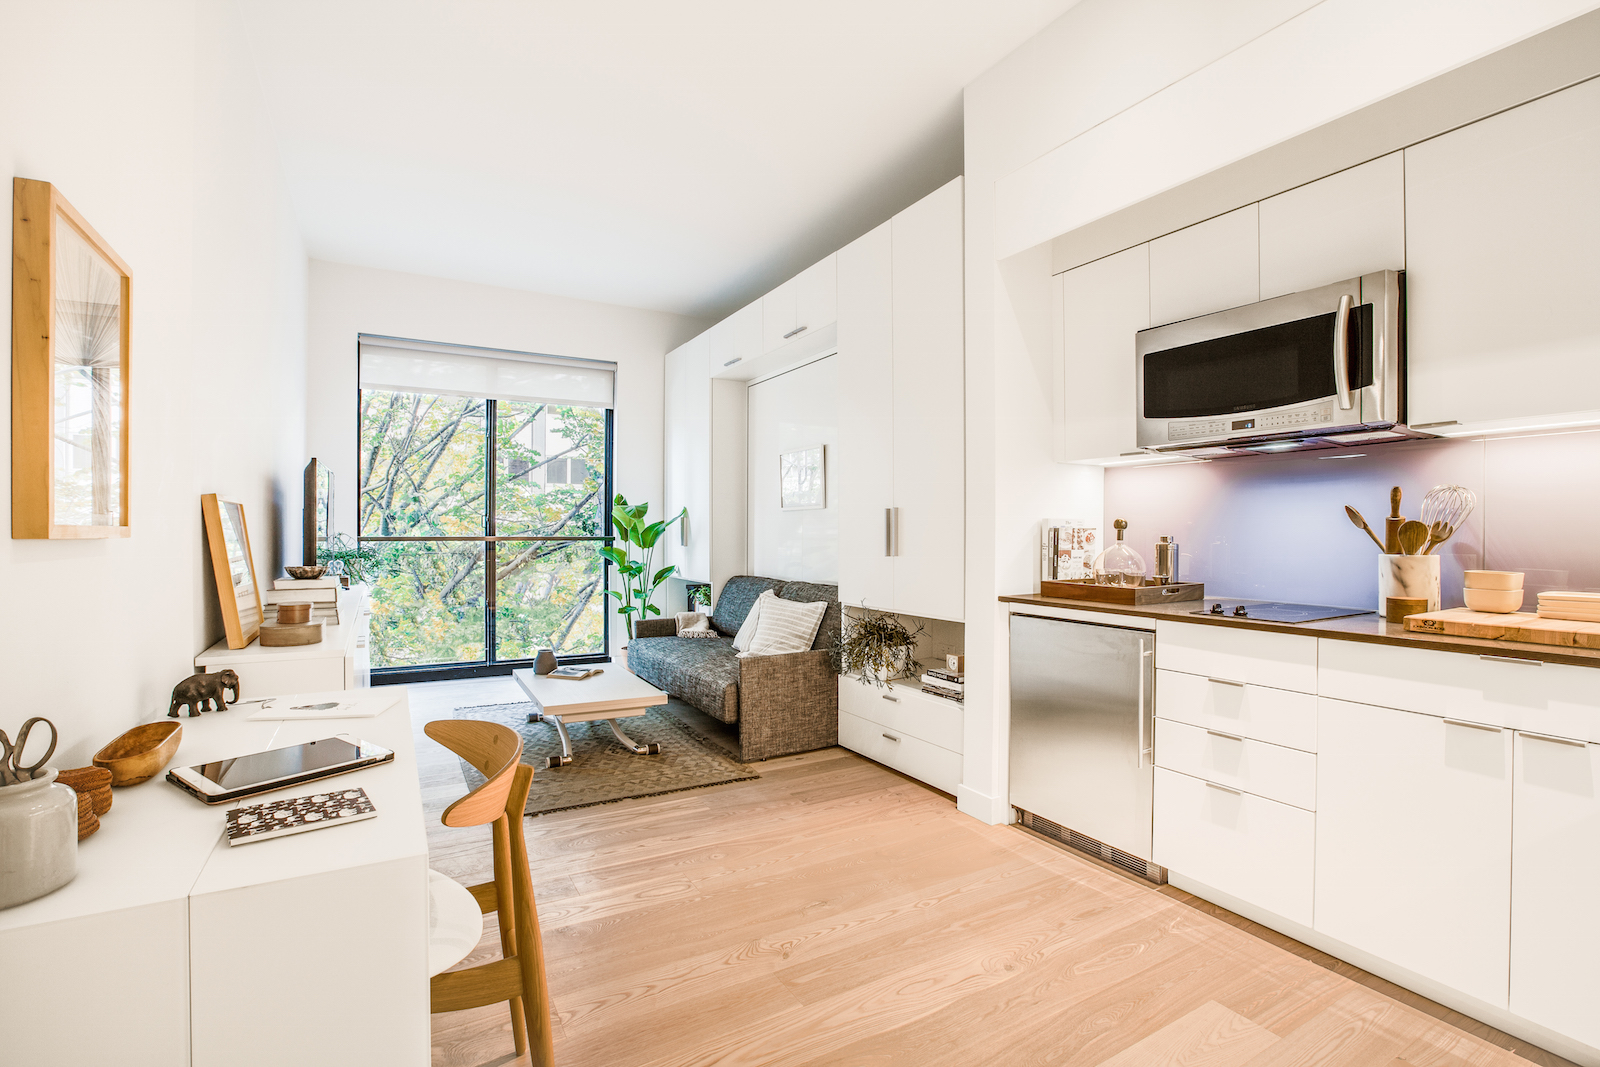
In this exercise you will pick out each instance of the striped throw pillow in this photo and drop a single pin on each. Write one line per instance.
(785, 626)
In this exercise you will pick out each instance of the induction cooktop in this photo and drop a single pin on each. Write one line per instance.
(1273, 611)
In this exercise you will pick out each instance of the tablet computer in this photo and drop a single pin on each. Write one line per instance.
(277, 768)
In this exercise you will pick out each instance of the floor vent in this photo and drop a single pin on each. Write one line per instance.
(1152, 872)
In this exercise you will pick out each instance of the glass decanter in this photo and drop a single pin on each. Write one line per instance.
(1119, 564)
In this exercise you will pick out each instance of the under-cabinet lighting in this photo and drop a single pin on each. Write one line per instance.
(1344, 455)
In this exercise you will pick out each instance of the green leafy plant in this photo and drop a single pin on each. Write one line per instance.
(352, 560)
(876, 647)
(633, 562)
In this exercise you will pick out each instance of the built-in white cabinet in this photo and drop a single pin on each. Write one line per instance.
(686, 458)
(1502, 224)
(1102, 305)
(901, 413)
(1414, 842)
(734, 340)
(803, 304)
(902, 727)
(1555, 865)
(1210, 266)
(1342, 226)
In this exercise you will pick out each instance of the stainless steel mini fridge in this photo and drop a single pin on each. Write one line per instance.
(1083, 735)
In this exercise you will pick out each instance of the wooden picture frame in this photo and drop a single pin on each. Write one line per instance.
(69, 372)
(238, 592)
(803, 479)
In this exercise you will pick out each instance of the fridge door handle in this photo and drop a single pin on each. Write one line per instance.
(1147, 725)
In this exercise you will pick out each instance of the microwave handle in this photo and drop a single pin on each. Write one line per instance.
(1341, 352)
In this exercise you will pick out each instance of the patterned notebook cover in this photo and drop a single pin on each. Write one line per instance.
(258, 822)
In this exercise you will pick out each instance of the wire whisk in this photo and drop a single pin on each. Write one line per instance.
(1444, 509)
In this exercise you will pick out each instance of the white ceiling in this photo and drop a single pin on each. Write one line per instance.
(680, 156)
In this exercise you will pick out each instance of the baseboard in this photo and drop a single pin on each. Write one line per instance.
(983, 807)
(1497, 1017)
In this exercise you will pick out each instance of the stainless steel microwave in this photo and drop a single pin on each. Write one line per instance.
(1301, 370)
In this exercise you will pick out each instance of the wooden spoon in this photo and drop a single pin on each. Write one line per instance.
(1355, 517)
(1412, 536)
(1438, 534)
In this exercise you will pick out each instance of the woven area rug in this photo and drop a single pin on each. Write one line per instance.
(602, 771)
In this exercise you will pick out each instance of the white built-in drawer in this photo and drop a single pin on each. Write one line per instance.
(1544, 698)
(1247, 846)
(1256, 657)
(1279, 716)
(904, 710)
(939, 767)
(1286, 775)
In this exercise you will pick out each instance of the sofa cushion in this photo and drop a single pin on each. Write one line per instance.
(783, 627)
(747, 629)
(703, 672)
(832, 619)
(738, 595)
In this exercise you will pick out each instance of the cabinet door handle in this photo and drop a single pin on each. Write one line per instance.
(1219, 733)
(1474, 726)
(1223, 789)
(735, 359)
(891, 737)
(890, 699)
(1554, 740)
(1341, 352)
(791, 333)
(1226, 681)
(891, 531)
(683, 529)
(1514, 659)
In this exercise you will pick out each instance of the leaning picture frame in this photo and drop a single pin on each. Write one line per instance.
(238, 593)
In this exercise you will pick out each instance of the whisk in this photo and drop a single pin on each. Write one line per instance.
(1444, 509)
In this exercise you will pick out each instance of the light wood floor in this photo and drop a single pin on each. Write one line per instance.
(836, 913)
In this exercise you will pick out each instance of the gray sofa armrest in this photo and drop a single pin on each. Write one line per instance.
(787, 704)
(655, 628)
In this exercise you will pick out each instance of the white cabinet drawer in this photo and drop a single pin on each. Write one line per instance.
(1247, 846)
(939, 767)
(1286, 775)
(1278, 716)
(904, 710)
(1543, 698)
(1256, 657)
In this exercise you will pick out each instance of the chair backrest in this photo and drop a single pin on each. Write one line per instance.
(496, 752)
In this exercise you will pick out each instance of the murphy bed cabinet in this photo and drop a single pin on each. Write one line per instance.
(901, 414)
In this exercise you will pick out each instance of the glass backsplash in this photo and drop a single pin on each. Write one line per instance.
(1274, 527)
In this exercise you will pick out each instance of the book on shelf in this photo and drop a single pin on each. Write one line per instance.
(305, 583)
(302, 596)
(940, 682)
(945, 676)
(946, 694)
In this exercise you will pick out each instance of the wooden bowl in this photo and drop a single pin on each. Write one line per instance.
(140, 754)
(302, 573)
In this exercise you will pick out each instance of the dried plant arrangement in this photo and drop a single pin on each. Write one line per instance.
(876, 647)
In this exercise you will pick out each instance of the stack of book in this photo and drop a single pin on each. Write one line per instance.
(942, 683)
(321, 593)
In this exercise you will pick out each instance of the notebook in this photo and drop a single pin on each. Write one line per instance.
(296, 815)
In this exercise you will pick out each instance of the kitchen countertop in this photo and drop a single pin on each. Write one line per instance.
(1372, 628)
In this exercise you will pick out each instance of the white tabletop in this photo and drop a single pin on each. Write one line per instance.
(617, 693)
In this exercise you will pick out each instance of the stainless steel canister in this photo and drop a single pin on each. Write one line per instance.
(1166, 561)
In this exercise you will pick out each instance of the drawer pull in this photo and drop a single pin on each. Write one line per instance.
(1554, 740)
(796, 330)
(1226, 681)
(1219, 733)
(891, 737)
(1514, 659)
(890, 699)
(1223, 789)
(1473, 725)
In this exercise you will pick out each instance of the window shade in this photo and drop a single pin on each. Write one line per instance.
(401, 366)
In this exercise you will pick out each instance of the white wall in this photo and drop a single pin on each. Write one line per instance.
(792, 411)
(144, 116)
(1050, 132)
(344, 301)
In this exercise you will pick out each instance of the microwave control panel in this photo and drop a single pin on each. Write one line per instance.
(1297, 419)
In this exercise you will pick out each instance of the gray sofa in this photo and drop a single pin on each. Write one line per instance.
(781, 704)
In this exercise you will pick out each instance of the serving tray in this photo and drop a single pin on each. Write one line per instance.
(1131, 595)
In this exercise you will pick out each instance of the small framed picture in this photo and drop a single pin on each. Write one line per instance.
(802, 479)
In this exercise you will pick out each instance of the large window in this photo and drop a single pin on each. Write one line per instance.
(490, 513)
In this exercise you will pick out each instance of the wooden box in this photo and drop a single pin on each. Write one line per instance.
(1131, 595)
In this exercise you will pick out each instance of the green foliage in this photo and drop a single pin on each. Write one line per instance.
(875, 647)
(359, 563)
(634, 563)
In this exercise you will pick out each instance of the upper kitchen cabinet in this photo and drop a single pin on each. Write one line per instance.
(1502, 227)
(1210, 266)
(788, 327)
(1103, 304)
(734, 340)
(1343, 226)
(803, 304)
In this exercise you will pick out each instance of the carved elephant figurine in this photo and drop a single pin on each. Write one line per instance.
(199, 690)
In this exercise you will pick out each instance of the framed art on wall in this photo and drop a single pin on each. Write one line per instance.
(237, 592)
(69, 372)
(802, 479)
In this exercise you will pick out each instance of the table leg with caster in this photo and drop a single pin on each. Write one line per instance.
(552, 762)
(651, 749)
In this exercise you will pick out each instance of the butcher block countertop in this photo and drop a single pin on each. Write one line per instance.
(1371, 628)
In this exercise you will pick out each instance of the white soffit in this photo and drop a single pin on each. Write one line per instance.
(683, 157)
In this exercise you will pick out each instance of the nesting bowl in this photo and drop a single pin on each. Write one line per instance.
(1498, 601)
(1501, 580)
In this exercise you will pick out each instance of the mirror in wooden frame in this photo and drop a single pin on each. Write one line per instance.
(238, 594)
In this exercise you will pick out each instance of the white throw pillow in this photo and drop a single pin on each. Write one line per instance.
(741, 640)
(785, 626)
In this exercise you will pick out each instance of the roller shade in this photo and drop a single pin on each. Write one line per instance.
(397, 365)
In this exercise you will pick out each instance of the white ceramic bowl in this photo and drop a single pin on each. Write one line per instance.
(1496, 600)
(1493, 579)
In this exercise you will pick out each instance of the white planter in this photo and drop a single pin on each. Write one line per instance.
(38, 838)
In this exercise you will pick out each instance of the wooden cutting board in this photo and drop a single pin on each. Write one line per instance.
(1517, 626)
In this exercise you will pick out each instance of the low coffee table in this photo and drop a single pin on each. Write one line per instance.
(615, 694)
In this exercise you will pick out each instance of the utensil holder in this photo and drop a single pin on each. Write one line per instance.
(1409, 578)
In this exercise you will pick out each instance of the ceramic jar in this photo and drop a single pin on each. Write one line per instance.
(1409, 578)
(38, 838)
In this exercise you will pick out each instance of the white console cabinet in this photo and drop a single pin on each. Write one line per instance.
(902, 727)
(341, 660)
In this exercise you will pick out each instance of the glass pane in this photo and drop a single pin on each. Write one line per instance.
(86, 384)
(430, 606)
(422, 464)
(551, 472)
(548, 595)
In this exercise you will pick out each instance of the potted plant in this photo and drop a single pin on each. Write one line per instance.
(351, 560)
(633, 562)
(876, 647)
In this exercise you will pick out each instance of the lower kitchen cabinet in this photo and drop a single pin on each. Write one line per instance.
(1247, 846)
(904, 728)
(1413, 854)
(1555, 864)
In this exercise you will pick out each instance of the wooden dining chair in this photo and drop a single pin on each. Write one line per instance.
(518, 976)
